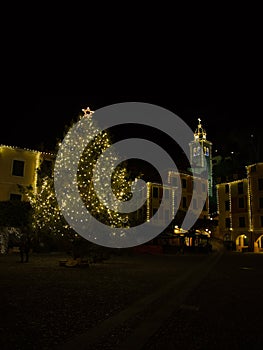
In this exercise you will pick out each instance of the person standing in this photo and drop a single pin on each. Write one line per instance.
(24, 248)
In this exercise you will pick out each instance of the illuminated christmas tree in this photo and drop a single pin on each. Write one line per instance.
(47, 214)
(87, 178)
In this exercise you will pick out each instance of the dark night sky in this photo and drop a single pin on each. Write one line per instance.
(227, 102)
(213, 72)
(32, 120)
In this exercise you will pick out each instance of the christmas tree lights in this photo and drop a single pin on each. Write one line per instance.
(48, 216)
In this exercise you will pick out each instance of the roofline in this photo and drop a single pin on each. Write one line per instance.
(26, 149)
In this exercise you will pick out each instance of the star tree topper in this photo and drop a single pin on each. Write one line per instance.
(87, 112)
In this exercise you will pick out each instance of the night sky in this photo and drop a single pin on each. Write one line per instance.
(213, 72)
(229, 113)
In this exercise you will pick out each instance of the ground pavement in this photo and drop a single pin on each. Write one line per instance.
(171, 301)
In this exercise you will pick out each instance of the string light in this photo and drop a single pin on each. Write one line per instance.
(47, 215)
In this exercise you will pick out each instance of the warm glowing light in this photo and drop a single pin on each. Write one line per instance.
(47, 214)
(87, 112)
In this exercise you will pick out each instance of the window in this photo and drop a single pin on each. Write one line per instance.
(261, 221)
(196, 151)
(240, 188)
(183, 183)
(261, 202)
(242, 222)
(227, 188)
(204, 187)
(206, 151)
(155, 192)
(184, 202)
(18, 168)
(241, 202)
(227, 205)
(260, 184)
(227, 222)
(15, 197)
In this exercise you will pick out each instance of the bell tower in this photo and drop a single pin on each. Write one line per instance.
(201, 155)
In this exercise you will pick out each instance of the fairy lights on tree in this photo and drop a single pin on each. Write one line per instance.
(47, 215)
(86, 177)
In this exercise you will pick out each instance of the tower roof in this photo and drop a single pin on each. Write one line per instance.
(200, 133)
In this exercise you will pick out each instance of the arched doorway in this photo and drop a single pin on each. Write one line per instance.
(242, 243)
(258, 245)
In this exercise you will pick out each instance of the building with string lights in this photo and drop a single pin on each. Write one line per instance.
(239, 201)
(172, 202)
(240, 210)
(20, 166)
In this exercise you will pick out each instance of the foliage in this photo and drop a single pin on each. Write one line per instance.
(47, 219)
(15, 214)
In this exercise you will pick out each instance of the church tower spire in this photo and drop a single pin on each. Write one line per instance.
(201, 154)
(200, 133)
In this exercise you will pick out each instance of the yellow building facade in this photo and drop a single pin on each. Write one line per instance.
(240, 210)
(18, 166)
(173, 200)
(255, 196)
